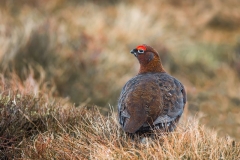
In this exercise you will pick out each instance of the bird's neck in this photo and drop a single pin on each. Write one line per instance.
(153, 66)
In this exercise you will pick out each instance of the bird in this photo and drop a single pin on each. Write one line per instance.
(153, 99)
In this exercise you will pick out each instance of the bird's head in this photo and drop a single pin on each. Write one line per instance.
(148, 58)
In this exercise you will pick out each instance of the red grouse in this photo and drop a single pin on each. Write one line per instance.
(153, 99)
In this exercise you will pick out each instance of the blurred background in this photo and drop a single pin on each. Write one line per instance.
(79, 50)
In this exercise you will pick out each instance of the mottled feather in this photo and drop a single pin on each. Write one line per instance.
(151, 98)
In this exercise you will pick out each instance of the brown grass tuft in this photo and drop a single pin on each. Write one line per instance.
(39, 128)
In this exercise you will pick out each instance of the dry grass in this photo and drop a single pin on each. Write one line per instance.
(63, 53)
(33, 127)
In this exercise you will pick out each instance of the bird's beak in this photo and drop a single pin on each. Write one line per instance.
(134, 51)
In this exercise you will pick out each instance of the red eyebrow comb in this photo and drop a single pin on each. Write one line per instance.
(141, 47)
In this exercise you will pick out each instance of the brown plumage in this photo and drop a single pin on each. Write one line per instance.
(153, 99)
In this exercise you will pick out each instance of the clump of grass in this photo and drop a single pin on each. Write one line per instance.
(39, 127)
(24, 112)
(104, 140)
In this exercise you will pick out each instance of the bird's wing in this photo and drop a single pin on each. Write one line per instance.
(139, 102)
(174, 98)
(150, 99)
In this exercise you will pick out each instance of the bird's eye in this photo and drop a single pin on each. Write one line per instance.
(140, 51)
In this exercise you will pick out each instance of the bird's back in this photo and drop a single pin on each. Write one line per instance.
(150, 99)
